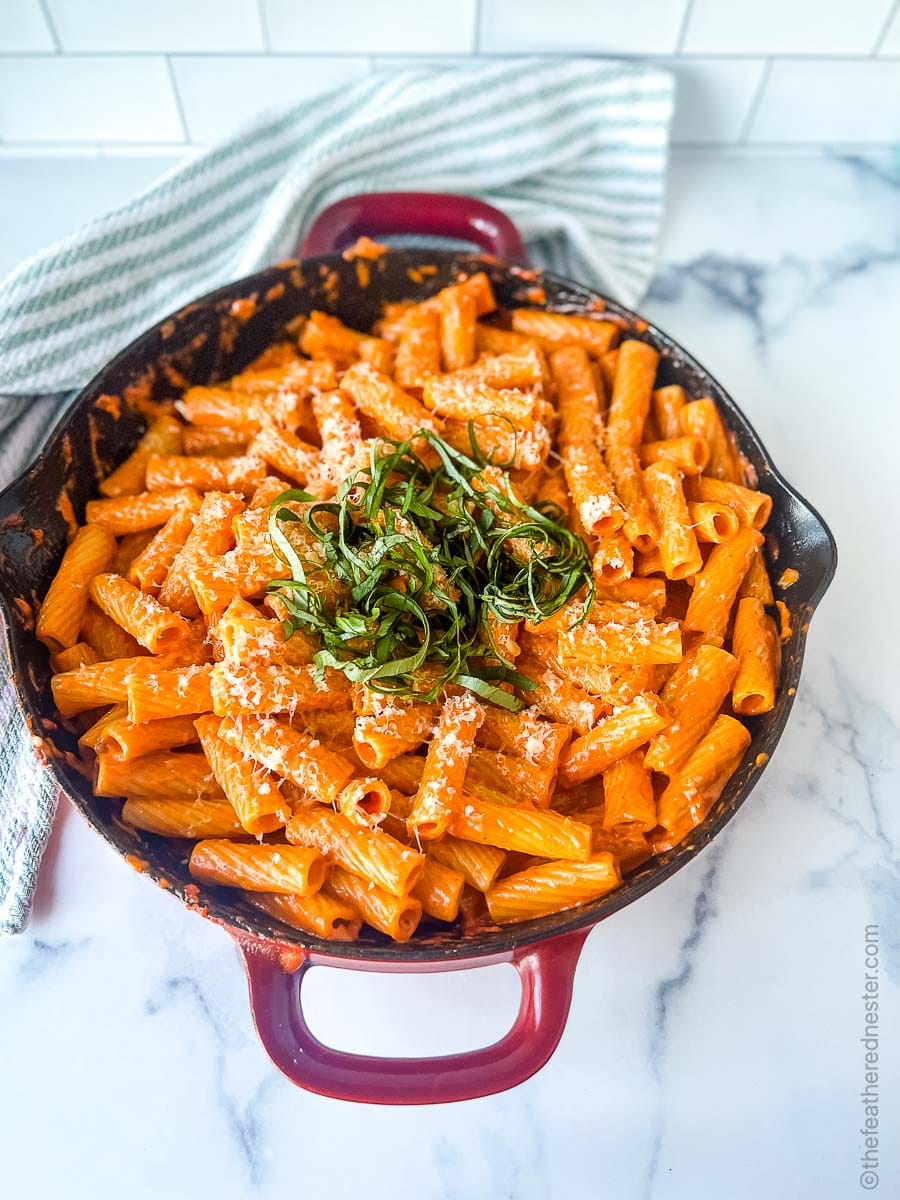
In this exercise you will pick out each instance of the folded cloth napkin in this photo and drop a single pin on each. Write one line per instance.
(575, 151)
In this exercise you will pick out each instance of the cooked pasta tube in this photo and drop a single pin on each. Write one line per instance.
(378, 396)
(267, 688)
(162, 437)
(552, 887)
(129, 739)
(397, 916)
(386, 727)
(641, 643)
(318, 771)
(578, 400)
(700, 418)
(150, 568)
(100, 683)
(181, 818)
(628, 794)
(612, 738)
(640, 526)
(479, 865)
(149, 622)
(321, 914)
(593, 494)
(631, 392)
(439, 890)
(531, 831)
(161, 773)
(757, 648)
(286, 870)
(693, 694)
(419, 349)
(364, 800)
(367, 852)
(73, 657)
(445, 765)
(753, 508)
(667, 404)
(689, 454)
(60, 615)
(713, 522)
(694, 789)
(678, 549)
(596, 336)
(716, 586)
(176, 692)
(756, 582)
(209, 538)
(121, 515)
(253, 793)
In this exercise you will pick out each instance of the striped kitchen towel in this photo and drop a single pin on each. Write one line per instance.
(574, 150)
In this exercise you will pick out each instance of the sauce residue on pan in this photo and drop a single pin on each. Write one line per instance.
(137, 863)
(275, 292)
(94, 436)
(66, 511)
(785, 619)
(166, 330)
(364, 247)
(290, 958)
(109, 404)
(243, 308)
(420, 274)
(192, 898)
(788, 578)
(26, 612)
(139, 394)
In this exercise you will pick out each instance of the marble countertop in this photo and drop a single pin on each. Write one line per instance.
(714, 1044)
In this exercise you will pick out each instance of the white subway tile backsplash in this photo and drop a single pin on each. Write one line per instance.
(164, 26)
(87, 99)
(117, 73)
(714, 97)
(22, 27)
(219, 92)
(890, 43)
(784, 26)
(364, 27)
(581, 26)
(830, 101)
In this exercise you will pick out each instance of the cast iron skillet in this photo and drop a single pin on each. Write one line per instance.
(217, 336)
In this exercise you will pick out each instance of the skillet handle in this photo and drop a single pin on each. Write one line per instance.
(435, 214)
(546, 971)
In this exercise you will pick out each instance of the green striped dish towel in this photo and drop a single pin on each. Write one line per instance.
(575, 151)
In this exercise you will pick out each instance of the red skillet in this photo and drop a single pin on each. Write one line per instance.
(216, 336)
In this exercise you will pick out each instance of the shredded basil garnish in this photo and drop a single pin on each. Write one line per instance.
(409, 560)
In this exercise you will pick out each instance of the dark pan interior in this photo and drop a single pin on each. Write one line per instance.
(216, 337)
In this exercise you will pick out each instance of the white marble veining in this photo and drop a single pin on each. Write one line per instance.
(713, 1046)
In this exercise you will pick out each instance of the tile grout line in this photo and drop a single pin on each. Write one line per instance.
(45, 11)
(685, 21)
(637, 56)
(879, 41)
(747, 124)
(264, 24)
(178, 104)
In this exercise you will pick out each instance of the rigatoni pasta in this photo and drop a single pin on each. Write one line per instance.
(452, 620)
